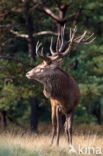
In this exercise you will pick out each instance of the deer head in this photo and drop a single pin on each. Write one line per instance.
(63, 48)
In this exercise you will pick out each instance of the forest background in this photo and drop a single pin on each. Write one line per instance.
(22, 24)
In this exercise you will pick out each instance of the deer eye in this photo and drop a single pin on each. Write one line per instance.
(41, 69)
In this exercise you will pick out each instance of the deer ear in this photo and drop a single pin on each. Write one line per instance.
(56, 64)
(48, 62)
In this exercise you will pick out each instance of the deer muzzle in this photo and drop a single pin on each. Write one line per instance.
(29, 75)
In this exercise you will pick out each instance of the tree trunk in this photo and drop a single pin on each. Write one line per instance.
(34, 115)
(99, 114)
(3, 119)
(31, 54)
(29, 27)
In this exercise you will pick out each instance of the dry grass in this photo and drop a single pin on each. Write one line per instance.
(39, 145)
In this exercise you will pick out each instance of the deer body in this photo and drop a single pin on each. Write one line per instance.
(59, 87)
(63, 89)
(64, 95)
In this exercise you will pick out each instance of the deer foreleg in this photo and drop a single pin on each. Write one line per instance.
(54, 123)
(58, 115)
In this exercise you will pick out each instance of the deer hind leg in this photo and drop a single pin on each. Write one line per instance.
(68, 127)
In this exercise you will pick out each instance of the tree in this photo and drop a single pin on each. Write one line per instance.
(17, 45)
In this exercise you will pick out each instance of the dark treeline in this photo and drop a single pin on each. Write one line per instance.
(22, 24)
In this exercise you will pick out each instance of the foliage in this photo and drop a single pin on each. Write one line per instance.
(16, 90)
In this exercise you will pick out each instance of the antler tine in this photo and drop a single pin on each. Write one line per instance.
(51, 47)
(63, 30)
(83, 40)
(42, 51)
(78, 37)
(81, 37)
(84, 34)
(89, 37)
(37, 50)
(38, 45)
(58, 43)
(40, 54)
(72, 33)
(88, 42)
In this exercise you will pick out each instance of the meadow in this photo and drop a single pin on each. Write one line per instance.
(26, 144)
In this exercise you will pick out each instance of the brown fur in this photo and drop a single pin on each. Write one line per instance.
(63, 92)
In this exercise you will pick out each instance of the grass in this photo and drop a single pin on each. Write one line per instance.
(39, 145)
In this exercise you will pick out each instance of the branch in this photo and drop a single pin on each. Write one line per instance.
(45, 33)
(34, 35)
(63, 6)
(50, 13)
(11, 58)
(19, 34)
(46, 10)
(11, 25)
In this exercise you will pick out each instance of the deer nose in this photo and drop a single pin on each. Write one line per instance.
(28, 75)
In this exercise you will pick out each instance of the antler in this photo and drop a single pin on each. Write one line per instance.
(59, 44)
(73, 42)
(63, 48)
(39, 52)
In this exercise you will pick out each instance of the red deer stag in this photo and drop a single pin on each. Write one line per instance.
(59, 87)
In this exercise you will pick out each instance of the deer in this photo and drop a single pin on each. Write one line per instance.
(59, 87)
